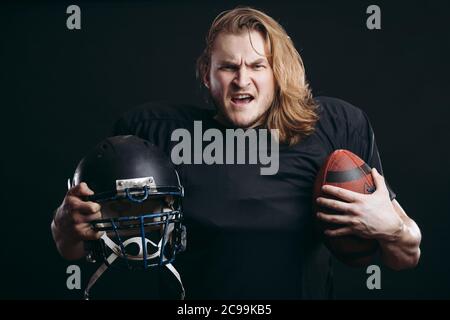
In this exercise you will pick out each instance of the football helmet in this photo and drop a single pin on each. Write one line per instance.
(140, 195)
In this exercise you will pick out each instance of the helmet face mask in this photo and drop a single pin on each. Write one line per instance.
(140, 196)
(141, 233)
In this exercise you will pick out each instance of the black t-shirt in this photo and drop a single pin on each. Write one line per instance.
(251, 236)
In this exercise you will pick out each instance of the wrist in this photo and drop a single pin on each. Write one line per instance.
(63, 236)
(397, 233)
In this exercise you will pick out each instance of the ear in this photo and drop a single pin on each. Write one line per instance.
(205, 79)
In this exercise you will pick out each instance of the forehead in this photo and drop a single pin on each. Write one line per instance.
(234, 46)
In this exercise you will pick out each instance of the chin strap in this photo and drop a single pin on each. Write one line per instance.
(118, 251)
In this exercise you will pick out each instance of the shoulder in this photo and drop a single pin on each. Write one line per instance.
(165, 112)
(156, 121)
(341, 124)
(338, 110)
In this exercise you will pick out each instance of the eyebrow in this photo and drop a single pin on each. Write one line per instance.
(230, 62)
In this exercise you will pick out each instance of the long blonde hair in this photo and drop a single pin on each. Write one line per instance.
(293, 111)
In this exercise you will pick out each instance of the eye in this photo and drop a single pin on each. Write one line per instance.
(259, 67)
(228, 67)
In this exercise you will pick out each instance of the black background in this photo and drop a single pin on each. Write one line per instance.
(63, 89)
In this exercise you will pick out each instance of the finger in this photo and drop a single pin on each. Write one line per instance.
(339, 232)
(378, 180)
(85, 232)
(337, 205)
(81, 189)
(334, 218)
(79, 218)
(85, 207)
(343, 194)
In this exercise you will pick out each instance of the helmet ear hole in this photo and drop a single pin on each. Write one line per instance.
(151, 249)
(132, 249)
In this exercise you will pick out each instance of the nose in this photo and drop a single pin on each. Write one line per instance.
(242, 78)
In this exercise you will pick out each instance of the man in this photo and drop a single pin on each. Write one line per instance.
(251, 236)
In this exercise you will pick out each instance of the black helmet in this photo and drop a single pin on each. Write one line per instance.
(130, 170)
(122, 163)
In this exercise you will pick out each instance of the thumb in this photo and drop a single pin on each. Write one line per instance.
(81, 189)
(378, 180)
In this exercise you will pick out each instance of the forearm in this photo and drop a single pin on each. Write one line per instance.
(69, 249)
(403, 251)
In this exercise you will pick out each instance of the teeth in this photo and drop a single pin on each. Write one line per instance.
(242, 96)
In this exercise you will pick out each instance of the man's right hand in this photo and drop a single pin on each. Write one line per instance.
(71, 224)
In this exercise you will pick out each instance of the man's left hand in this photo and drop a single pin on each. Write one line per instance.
(366, 215)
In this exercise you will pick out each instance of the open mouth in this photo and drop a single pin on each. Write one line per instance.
(242, 99)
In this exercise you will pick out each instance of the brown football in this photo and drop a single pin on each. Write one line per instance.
(346, 170)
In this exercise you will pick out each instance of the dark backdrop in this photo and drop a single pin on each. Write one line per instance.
(62, 90)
